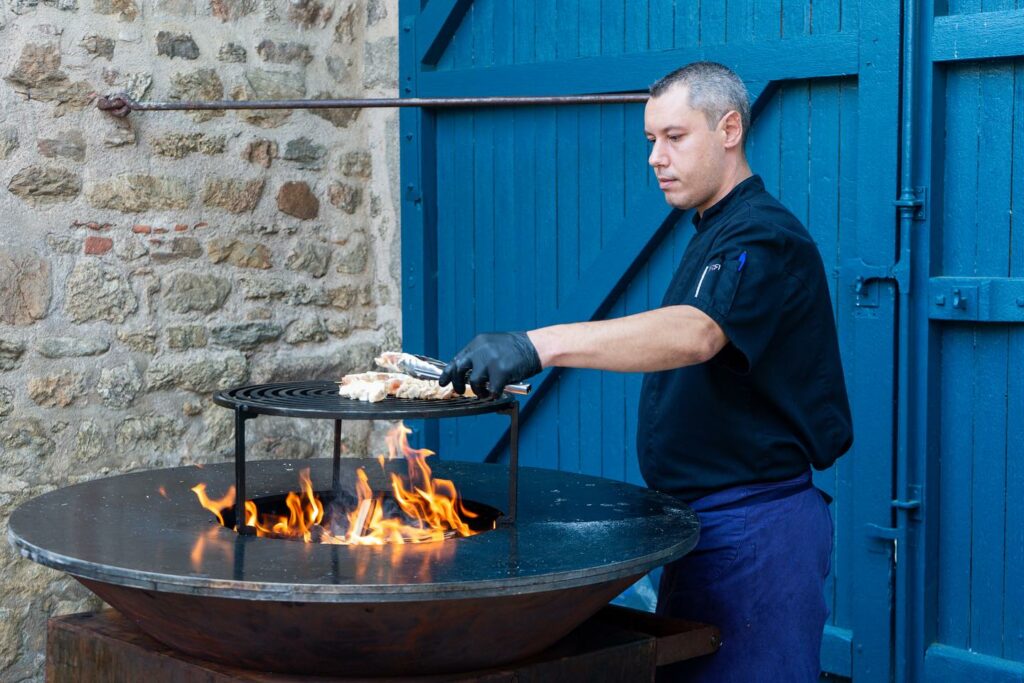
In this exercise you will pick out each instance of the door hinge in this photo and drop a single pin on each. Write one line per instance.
(915, 201)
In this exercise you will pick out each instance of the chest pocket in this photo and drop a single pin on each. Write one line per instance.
(716, 285)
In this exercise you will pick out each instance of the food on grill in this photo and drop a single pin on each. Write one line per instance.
(376, 386)
(391, 360)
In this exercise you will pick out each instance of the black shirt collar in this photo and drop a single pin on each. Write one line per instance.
(742, 191)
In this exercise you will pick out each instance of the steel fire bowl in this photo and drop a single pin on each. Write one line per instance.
(286, 606)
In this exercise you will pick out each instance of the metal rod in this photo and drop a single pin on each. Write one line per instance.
(513, 465)
(121, 104)
(240, 525)
(336, 476)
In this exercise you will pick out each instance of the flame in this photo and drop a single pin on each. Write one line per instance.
(432, 507)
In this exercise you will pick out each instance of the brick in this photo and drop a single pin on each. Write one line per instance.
(98, 245)
(142, 229)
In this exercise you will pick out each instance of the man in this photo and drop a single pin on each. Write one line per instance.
(744, 390)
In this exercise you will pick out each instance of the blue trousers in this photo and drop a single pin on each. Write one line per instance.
(758, 573)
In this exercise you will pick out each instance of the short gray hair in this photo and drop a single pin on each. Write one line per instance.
(714, 89)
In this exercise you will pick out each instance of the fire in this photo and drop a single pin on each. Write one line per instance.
(431, 508)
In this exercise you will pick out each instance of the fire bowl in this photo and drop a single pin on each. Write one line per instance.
(143, 543)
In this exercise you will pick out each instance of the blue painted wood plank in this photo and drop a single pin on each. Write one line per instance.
(546, 255)
(613, 27)
(590, 173)
(825, 16)
(661, 25)
(945, 664)
(524, 30)
(483, 33)
(873, 371)
(613, 170)
(568, 29)
(739, 26)
(590, 28)
(687, 33)
(767, 21)
(796, 18)
(567, 227)
(849, 16)
(436, 25)
(793, 163)
(1013, 587)
(993, 230)
(957, 437)
(978, 36)
(546, 41)
(504, 33)
(712, 23)
(637, 14)
(761, 61)
(484, 220)
(823, 176)
(569, 421)
(526, 179)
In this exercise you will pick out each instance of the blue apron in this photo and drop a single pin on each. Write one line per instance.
(758, 573)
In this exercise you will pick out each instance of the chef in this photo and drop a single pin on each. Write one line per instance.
(743, 393)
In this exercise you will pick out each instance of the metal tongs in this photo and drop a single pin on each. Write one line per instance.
(425, 367)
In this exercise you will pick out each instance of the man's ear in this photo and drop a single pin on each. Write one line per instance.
(732, 125)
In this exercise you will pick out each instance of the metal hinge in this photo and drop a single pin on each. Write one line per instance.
(916, 201)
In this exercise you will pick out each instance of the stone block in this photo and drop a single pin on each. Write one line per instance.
(57, 390)
(296, 199)
(239, 253)
(176, 45)
(96, 291)
(199, 373)
(344, 196)
(11, 351)
(71, 347)
(136, 193)
(186, 292)
(234, 195)
(245, 336)
(310, 257)
(119, 385)
(41, 185)
(25, 281)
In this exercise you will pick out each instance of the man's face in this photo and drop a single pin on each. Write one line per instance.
(687, 156)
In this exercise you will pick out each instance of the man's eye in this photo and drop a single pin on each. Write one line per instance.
(675, 138)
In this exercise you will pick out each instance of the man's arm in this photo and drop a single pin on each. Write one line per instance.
(662, 339)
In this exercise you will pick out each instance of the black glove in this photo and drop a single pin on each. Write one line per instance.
(495, 359)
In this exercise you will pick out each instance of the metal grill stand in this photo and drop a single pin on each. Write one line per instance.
(320, 400)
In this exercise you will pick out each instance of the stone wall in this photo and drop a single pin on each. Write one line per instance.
(147, 262)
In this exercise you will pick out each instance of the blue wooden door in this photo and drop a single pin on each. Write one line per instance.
(521, 217)
(967, 608)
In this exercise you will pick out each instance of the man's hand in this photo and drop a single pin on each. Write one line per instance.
(497, 359)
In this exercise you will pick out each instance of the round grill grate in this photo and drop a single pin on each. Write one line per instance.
(321, 400)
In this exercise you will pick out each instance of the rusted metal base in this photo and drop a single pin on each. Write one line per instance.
(617, 644)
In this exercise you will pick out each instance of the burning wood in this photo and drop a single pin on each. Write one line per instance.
(431, 509)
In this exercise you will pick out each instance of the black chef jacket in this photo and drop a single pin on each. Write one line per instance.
(773, 401)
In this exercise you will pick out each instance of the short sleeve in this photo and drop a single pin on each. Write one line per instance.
(744, 288)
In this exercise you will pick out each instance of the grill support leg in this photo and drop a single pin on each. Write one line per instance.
(240, 417)
(513, 466)
(336, 473)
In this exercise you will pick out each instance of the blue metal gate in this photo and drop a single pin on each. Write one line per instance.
(516, 218)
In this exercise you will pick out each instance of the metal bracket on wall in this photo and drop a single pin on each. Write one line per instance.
(862, 276)
(917, 202)
(976, 299)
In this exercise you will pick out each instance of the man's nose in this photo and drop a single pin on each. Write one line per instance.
(657, 157)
